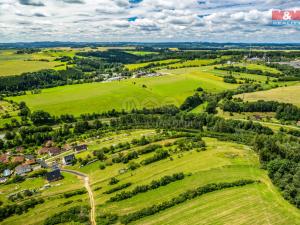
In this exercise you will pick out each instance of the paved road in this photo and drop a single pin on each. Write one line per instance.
(89, 190)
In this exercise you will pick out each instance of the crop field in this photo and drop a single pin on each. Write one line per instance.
(288, 94)
(172, 88)
(221, 162)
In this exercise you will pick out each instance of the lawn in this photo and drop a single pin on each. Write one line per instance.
(288, 94)
(172, 88)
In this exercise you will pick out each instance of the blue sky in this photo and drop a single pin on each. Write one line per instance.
(144, 20)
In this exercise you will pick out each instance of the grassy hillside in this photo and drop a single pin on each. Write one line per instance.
(283, 94)
(172, 88)
(221, 162)
(258, 203)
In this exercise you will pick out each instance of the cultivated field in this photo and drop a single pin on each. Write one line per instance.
(283, 94)
(172, 88)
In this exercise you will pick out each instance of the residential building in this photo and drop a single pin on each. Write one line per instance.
(54, 175)
(69, 159)
(80, 148)
(23, 169)
(7, 173)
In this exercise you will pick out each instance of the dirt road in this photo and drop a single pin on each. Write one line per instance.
(89, 190)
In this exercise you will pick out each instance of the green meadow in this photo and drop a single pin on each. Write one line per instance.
(171, 88)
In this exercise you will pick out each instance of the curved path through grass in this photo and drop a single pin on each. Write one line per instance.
(89, 190)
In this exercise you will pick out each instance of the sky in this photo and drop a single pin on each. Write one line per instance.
(145, 21)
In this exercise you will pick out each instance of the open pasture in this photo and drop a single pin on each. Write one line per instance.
(172, 88)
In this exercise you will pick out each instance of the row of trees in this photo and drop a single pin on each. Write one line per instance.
(144, 188)
(284, 111)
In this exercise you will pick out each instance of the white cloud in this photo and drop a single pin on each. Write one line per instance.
(152, 20)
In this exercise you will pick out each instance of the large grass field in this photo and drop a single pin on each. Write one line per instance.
(290, 94)
(172, 88)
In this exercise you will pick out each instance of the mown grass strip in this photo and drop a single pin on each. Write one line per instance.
(144, 188)
(190, 194)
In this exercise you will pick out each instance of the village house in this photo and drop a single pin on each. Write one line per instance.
(80, 148)
(18, 159)
(7, 173)
(19, 149)
(54, 175)
(43, 151)
(4, 158)
(42, 163)
(3, 180)
(69, 159)
(30, 162)
(23, 169)
(53, 151)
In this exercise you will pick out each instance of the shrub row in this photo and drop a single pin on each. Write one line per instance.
(9, 210)
(75, 214)
(190, 194)
(148, 149)
(73, 193)
(118, 188)
(159, 155)
(144, 188)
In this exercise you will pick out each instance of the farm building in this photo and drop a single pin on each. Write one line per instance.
(54, 175)
(69, 159)
(23, 169)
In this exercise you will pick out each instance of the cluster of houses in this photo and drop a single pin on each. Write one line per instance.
(26, 164)
(29, 163)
